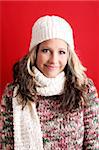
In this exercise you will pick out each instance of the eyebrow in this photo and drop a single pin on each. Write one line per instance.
(47, 47)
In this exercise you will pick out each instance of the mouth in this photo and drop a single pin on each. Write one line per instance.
(51, 67)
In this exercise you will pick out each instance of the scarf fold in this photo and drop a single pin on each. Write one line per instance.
(49, 86)
(27, 129)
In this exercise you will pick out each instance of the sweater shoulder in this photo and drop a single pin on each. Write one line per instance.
(7, 96)
(92, 92)
(92, 88)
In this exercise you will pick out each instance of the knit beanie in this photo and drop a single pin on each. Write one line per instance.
(51, 27)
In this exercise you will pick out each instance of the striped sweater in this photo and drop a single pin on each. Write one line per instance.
(77, 130)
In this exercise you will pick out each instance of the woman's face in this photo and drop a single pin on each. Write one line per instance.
(52, 57)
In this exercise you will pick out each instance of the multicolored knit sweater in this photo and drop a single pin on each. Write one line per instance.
(77, 130)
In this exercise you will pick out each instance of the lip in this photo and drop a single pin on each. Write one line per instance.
(50, 67)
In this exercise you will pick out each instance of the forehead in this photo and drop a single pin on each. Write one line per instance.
(54, 43)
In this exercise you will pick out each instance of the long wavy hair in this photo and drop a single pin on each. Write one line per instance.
(76, 81)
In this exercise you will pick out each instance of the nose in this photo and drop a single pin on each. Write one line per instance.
(53, 58)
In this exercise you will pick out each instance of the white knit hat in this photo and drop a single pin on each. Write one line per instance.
(50, 27)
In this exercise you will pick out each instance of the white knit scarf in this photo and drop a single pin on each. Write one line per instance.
(49, 86)
(27, 129)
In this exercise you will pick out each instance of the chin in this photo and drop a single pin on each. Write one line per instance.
(50, 75)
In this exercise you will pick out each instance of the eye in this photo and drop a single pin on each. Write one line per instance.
(62, 52)
(45, 50)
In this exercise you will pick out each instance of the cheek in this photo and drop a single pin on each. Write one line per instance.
(64, 61)
(40, 60)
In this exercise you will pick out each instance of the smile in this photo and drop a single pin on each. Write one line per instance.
(50, 67)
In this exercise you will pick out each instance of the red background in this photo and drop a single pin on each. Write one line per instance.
(18, 17)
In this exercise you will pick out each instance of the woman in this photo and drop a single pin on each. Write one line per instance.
(51, 104)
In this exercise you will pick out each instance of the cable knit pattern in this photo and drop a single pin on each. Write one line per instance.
(49, 86)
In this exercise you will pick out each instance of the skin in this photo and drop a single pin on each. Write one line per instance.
(52, 57)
